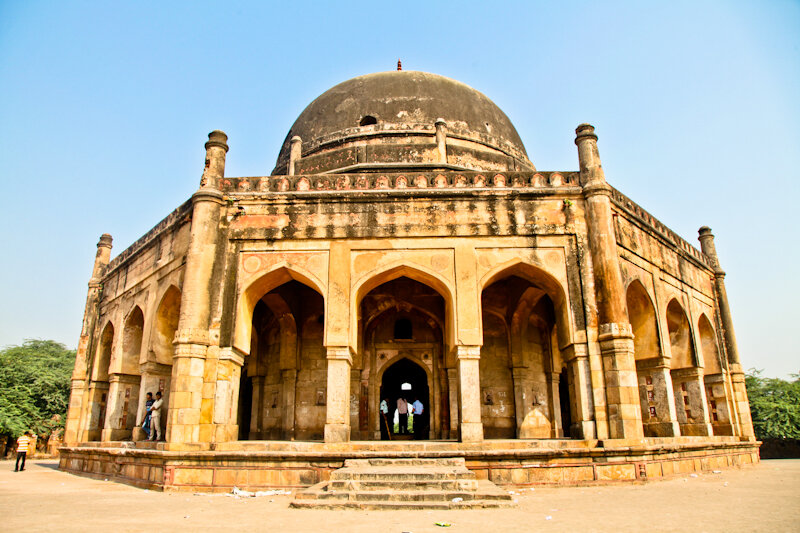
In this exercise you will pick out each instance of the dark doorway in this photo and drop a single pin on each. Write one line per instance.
(563, 396)
(408, 380)
(245, 404)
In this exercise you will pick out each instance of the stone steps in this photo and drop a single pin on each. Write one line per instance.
(403, 483)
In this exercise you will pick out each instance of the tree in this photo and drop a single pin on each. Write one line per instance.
(34, 387)
(774, 405)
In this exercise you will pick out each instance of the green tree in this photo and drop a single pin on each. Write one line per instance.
(774, 405)
(34, 387)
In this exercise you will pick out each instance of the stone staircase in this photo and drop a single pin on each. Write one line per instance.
(403, 483)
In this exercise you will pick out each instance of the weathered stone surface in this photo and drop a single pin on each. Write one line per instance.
(406, 246)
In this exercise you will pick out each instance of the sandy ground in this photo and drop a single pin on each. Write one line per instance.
(765, 497)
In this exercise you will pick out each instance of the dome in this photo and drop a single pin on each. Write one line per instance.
(388, 119)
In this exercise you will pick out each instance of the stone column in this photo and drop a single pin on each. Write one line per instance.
(577, 360)
(452, 390)
(288, 387)
(78, 411)
(554, 399)
(692, 406)
(441, 139)
(192, 338)
(615, 332)
(731, 348)
(226, 393)
(469, 393)
(665, 421)
(523, 403)
(337, 418)
(256, 424)
(123, 396)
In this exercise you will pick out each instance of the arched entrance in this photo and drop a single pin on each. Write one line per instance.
(406, 379)
(402, 319)
(525, 387)
(282, 387)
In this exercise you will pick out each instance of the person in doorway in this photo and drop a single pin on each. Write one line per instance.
(155, 418)
(419, 419)
(23, 446)
(384, 418)
(148, 404)
(402, 415)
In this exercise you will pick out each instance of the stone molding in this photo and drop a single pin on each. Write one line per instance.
(400, 181)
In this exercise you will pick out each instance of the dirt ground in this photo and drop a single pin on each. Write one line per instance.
(765, 497)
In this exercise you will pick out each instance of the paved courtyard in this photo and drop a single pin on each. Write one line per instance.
(765, 497)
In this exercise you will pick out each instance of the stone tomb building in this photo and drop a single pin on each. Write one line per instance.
(554, 330)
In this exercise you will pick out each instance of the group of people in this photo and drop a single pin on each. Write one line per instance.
(404, 408)
(152, 419)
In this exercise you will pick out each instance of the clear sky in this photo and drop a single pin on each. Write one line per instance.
(105, 106)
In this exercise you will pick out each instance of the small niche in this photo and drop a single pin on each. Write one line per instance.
(368, 120)
(402, 329)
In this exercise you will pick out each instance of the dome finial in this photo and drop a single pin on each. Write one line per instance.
(399, 65)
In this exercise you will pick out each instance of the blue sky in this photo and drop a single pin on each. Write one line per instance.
(105, 107)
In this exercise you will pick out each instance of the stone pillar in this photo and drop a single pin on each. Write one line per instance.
(288, 386)
(337, 419)
(79, 410)
(615, 332)
(718, 407)
(691, 403)
(295, 153)
(123, 396)
(452, 390)
(192, 338)
(256, 423)
(97, 398)
(577, 360)
(226, 393)
(731, 348)
(655, 390)
(557, 431)
(469, 393)
(441, 140)
(523, 403)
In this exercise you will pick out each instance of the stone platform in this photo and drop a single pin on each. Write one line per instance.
(258, 465)
(403, 483)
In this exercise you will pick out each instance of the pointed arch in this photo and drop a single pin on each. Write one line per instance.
(165, 325)
(255, 290)
(132, 341)
(102, 358)
(680, 337)
(708, 346)
(543, 280)
(397, 358)
(377, 277)
(642, 317)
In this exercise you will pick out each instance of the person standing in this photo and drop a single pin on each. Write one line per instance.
(384, 418)
(419, 419)
(148, 415)
(155, 418)
(402, 415)
(23, 445)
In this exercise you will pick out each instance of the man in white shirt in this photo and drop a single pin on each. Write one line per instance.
(420, 417)
(402, 415)
(155, 418)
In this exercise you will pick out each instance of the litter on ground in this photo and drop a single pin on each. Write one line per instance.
(247, 494)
